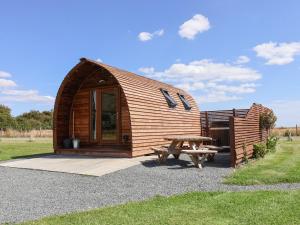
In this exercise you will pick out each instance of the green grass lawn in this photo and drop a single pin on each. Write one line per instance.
(12, 148)
(280, 167)
(261, 207)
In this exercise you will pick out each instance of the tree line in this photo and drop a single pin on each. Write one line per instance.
(33, 120)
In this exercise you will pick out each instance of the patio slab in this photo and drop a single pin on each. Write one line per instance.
(77, 164)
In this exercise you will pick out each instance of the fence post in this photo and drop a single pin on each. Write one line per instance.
(232, 141)
(296, 130)
(207, 124)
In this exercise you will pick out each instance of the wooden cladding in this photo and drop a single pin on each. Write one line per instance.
(151, 118)
(146, 117)
(246, 132)
(243, 129)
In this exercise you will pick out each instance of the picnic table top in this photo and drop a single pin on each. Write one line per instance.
(187, 138)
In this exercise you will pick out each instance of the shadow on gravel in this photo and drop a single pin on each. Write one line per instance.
(170, 162)
(222, 160)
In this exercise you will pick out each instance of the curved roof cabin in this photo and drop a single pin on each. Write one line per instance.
(117, 113)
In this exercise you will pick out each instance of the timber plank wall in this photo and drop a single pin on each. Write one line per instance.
(246, 131)
(244, 128)
(208, 118)
(151, 118)
(148, 116)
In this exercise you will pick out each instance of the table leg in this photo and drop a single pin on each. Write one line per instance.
(162, 157)
(173, 145)
(210, 157)
(172, 149)
(198, 144)
(180, 147)
(176, 156)
(192, 145)
(202, 160)
(195, 159)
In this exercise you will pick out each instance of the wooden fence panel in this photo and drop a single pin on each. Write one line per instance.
(246, 132)
(244, 129)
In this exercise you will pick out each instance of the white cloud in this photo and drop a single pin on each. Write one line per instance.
(146, 70)
(197, 24)
(278, 53)
(99, 60)
(287, 112)
(4, 74)
(159, 32)
(7, 83)
(238, 89)
(242, 59)
(191, 86)
(217, 96)
(205, 69)
(24, 96)
(210, 81)
(9, 93)
(146, 36)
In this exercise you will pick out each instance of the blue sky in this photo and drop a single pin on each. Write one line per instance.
(227, 53)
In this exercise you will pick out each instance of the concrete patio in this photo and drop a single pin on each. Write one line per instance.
(77, 164)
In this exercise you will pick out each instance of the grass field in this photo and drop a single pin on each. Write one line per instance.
(261, 207)
(280, 167)
(12, 148)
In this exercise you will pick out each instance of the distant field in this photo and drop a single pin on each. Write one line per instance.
(9, 133)
(280, 131)
(12, 148)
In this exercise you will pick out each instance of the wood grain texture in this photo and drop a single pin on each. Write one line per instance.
(146, 116)
(247, 132)
(243, 130)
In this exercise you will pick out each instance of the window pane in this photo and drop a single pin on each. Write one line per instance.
(93, 115)
(171, 102)
(185, 103)
(109, 116)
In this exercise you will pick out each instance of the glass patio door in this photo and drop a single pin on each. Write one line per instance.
(109, 114)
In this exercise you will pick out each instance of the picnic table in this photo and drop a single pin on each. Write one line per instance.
(195, 149)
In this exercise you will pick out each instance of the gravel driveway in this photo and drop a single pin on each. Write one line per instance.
(31, 194)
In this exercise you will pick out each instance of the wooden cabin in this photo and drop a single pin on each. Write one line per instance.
(118, 113)
(235, 130)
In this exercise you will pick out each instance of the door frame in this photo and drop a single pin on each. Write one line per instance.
(118, 117)
(99, 140)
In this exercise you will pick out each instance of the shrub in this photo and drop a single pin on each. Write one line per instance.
(259, 150)
(271, 143)
(267, 120)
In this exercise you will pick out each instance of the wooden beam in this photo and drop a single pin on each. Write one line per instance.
(207, 124)
(232, 141)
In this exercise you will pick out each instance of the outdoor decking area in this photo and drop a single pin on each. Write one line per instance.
(98, 151)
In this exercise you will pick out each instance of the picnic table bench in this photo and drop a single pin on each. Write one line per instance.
(195, 150)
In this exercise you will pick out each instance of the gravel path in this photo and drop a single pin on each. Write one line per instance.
(30, 194)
